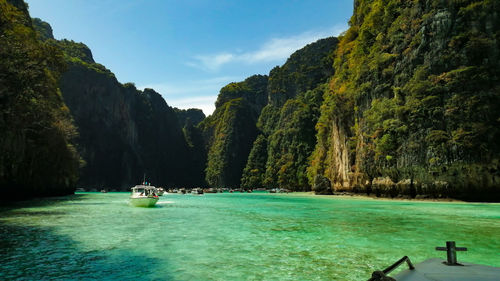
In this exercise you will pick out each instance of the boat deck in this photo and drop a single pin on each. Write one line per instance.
(435, 270)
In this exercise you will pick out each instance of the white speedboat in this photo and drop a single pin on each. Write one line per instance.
(143, 196)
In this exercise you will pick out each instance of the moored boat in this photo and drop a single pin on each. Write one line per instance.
(438, 270)
(279, 190)
(197, 191)
(143, 196)
(160, 191)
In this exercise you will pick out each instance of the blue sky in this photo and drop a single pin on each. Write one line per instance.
(188, 49)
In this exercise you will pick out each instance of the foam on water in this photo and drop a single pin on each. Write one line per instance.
(164, 202)
(234, 237)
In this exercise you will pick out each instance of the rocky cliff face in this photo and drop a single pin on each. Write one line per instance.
(103, 112)
(192, 116)
(37, 156)
(281, 110)
(405, 103)
(409, 108)
(295, 93)
(230, 131)
(413, 108)
(124, 133)
(304, 70)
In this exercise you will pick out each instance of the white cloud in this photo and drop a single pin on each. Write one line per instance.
(212, 63)
(276, 49)
(205, 103)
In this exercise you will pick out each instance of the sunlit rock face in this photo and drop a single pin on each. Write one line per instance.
(414, 105)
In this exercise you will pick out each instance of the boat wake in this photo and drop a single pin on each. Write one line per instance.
(165, 202)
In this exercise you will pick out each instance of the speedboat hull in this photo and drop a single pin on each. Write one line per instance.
(143, 201)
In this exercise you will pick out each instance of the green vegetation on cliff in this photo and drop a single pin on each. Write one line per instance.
(295, 93)
(125, 133)
(253, 174)
(37, 156)
(230, 131)
(304, 70)
(189, 120)
(407, 104)
(414, 105)
(283, 112)
(291, 144)
(192, 116)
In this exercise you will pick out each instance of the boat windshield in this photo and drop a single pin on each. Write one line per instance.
(144, 191)
(138, 190)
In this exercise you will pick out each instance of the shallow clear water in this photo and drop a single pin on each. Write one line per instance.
(235, 237)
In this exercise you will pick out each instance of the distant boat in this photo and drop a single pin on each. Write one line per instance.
(439, 270)
(143, 196)
(278, 190)
(104, 191)
(197, 191)
(160, 191)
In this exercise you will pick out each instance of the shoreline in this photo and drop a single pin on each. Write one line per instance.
(351, 195)
(339, 195)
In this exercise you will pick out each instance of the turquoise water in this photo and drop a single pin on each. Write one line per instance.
(234, 237)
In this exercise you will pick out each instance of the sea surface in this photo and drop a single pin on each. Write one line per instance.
(258, 236)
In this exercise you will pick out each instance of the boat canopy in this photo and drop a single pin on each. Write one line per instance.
(143, 187)
(144, 190)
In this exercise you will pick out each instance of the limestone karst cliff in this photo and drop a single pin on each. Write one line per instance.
(124, 133)
(37, 153)
(406, 104)
(230, 131)
(414, 106)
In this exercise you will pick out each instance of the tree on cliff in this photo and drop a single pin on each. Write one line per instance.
(295, 93)
(124, 133)
(37, 156)
(293, 141)
(230, 131)
(253, 174)
(414, 100)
